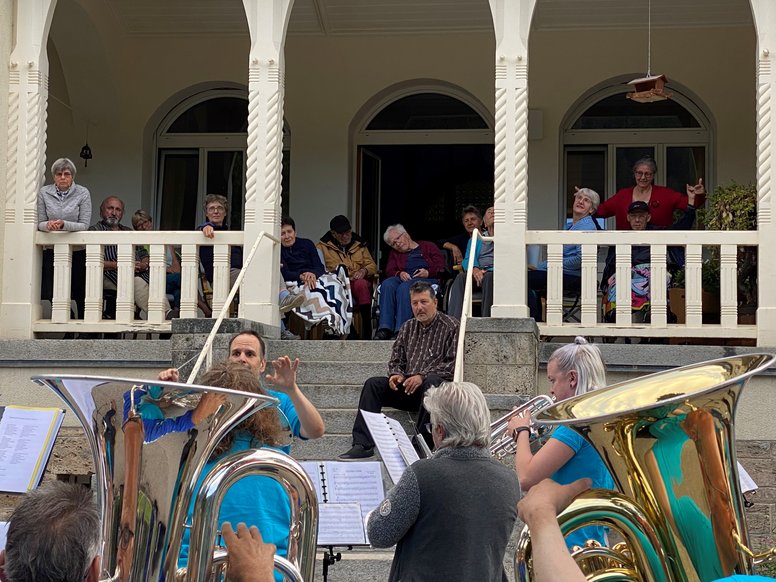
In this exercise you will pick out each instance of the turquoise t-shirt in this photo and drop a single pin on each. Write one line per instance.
(585, 463)
(258, 501)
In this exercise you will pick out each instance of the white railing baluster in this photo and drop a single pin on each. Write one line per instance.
(658, 290)
(157, 286)
(125, 288)
(589, 284)
(554, 305)
(623, 279)
(220, 276)
(728, 286)
(94, 277)
(60, 303)
(693, 276)
(189, 281)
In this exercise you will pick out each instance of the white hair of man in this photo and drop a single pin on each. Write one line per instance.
(590, 193)
(396, 227)
(63, 164)
(461, 409)
(53, 535)
(585, 359)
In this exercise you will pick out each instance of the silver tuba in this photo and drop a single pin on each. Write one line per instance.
(502, 444)
(145, 488)
(668, 440)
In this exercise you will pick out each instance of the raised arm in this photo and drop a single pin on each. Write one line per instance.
(283, 379)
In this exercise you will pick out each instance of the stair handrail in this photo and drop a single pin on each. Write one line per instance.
(207, 349)
(466, 310)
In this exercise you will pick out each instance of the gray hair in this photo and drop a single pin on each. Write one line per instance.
(646, 162)
(585, 359)
(53, 535)
(590, 193)
(397, 227)
(461, 409)
(63, 164)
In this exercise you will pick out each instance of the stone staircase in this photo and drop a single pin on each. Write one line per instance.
(331, 374)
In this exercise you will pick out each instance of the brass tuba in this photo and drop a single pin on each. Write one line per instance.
(669, 442)
(144, 489)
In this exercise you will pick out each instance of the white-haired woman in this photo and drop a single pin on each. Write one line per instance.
(572, 370)
(443, 524)
(64, 206)
(586, 203)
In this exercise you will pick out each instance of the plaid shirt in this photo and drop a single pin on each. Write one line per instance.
(424, 350)
(110, 253)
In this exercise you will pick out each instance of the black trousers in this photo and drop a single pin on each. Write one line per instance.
(377, 393)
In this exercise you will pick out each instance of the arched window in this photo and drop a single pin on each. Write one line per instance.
(605, 133)
(201, 149)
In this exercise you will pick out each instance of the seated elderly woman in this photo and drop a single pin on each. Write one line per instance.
(482, 272)
(327, 296)
(450, 516)
(141, 220)
(585, 203)
(409, 262)
(64, 206)
(216, 213)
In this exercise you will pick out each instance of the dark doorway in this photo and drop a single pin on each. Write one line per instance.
(423, 187)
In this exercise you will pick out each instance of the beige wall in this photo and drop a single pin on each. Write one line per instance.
(121, 82)
(6, 30)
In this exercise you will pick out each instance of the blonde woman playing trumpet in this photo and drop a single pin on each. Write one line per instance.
(572, 370)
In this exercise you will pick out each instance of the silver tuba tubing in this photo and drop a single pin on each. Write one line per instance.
(304, 511)
(502, 444)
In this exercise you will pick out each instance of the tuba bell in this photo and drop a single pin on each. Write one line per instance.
(668, 440)
(144, 489)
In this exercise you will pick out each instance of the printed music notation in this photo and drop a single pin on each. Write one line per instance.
(27, 436)
(346, 492)
(393, 443)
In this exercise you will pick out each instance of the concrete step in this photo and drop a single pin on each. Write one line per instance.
(332, 351)
(340, 371)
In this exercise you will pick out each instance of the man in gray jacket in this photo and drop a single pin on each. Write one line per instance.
(450, 516)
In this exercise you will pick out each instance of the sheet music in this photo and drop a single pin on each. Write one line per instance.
(26, 438)
(3, 533)
(340, 524)
(392, 442)
(313, 470)
(356, 482)
(747, 483)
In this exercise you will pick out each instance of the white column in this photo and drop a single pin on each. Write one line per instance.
(267, 20)
(511, 20)
(26, 152)
(765, 22)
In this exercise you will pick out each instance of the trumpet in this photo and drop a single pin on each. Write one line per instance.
(501, 443)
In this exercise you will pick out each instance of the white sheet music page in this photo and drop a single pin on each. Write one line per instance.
(26, 438)
(392, 442)
(3, 533)
(360, 482)
(745, 479)
(340, 524)
(313, 470)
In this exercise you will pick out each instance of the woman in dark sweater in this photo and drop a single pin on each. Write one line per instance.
(327, 295)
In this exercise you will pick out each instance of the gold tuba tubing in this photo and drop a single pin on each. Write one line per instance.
(668, 440)
(502, 444)
(144, 487)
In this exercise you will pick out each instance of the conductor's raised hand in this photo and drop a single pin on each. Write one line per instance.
(283, 376)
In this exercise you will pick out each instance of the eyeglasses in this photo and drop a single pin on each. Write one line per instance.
(429, 427)
(65, 174)
(215, 209)
(397, 239)
(643, 174)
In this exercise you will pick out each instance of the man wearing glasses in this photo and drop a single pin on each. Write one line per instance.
(409, 262)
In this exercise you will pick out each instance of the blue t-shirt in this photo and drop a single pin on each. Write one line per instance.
(259, 501)
(585, 463)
